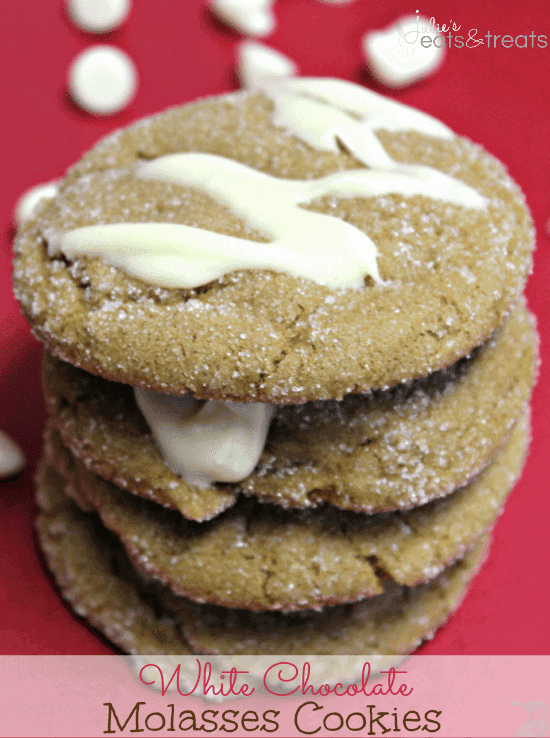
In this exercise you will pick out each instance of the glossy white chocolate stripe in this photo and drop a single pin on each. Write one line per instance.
(219, 441)
(209, 441)
(301, 243)
(376, 111)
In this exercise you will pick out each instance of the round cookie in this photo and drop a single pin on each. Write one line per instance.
(275, 559)
(450, 273)
(80, 554)
(381, 451)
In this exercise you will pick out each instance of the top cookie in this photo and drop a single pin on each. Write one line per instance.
(428, 246)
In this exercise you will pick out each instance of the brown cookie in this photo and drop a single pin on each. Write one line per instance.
(275, 559)
(395, 622)
(102, 425)
(450, 274)
(386, 450)
(80, 555)
(86, 562)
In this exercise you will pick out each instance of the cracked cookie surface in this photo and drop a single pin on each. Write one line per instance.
(395, 622)
(387, 450)
(258, 556)
(450, 274)
(96, 579)
(80, 555)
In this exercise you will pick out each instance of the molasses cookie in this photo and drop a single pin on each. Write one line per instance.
(82, 557)
(258, 556)
(93, 574)
(395, 622)
(102, 425)
(305, 241)
(384, 450)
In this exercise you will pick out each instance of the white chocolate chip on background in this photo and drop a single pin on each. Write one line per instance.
(28, 201)
(102, 79)
(98, 16)
(396, 56)
(12, 459)
(256, 61)
(249, 17)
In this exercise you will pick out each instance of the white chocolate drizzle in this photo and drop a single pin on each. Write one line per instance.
(209, 441)
(301, 243)
(294, 109)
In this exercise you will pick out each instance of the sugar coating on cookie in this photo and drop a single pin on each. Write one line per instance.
(405, 446)
(134, 463)
(118, 606)
(281, 560)
(392, 623)
(299, 243)
(260, 334)
(139, 618)
(369, 453)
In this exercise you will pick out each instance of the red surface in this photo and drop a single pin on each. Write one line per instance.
(497, 96)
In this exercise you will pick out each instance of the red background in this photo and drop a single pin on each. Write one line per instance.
(499, 97)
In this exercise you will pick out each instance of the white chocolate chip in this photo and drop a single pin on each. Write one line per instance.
(397, 56)
(12, 459)
(98, 16)
(256, 61)
(102, 80)
(249, 17)
(27, 203)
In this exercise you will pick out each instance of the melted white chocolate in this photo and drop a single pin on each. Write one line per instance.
(222, 441)
(374, 111)
(209, 441)
(302, 243)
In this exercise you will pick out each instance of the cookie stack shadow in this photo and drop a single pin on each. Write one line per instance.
(358, 531)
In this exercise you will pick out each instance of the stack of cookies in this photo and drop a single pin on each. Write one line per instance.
(287, 368)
